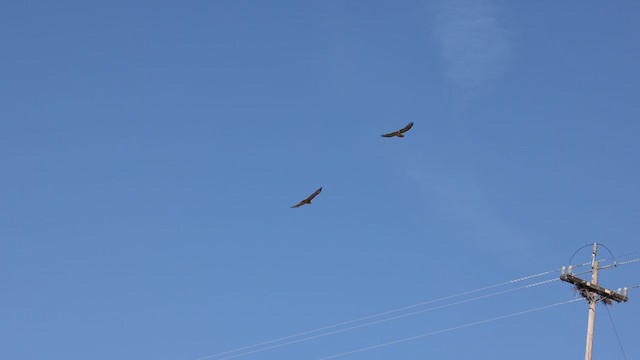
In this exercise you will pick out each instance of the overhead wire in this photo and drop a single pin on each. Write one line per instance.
(615, 331)
(614, 265)
(629, 261)
(262, 346)
(615, 262)
(602, 260)
(448, 329)
(628, 254)
(374, 322)
(227, 354)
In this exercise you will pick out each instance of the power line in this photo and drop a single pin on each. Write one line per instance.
(628, 261)
(386, 319)
(275, 343)
(615, 331)
(612, 266)
(628, 254)
(448, 329)
(611, 258)
(372, 316)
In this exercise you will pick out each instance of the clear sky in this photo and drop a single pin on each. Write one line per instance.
(150, 152)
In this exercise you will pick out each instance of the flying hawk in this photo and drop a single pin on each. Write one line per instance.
(307, 200)
(400, 132)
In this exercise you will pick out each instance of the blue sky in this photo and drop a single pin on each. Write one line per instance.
(151, 151)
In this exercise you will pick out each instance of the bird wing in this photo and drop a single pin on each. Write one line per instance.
(314, 194)
(389, 134)
(307, 200)
(406, 128)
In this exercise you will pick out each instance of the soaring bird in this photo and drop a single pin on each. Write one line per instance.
(400, 132)
(307, 200)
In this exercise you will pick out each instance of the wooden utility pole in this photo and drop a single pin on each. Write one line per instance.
(593, 293)
(592, 303)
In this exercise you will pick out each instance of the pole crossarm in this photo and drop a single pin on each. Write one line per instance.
(588, 286)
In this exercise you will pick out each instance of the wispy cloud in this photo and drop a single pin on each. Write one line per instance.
(474, 47)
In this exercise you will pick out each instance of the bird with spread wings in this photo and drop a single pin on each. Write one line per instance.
(399, 133)
(307, 200)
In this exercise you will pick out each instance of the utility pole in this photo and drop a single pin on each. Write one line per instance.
(592, 303)
(593, 293)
